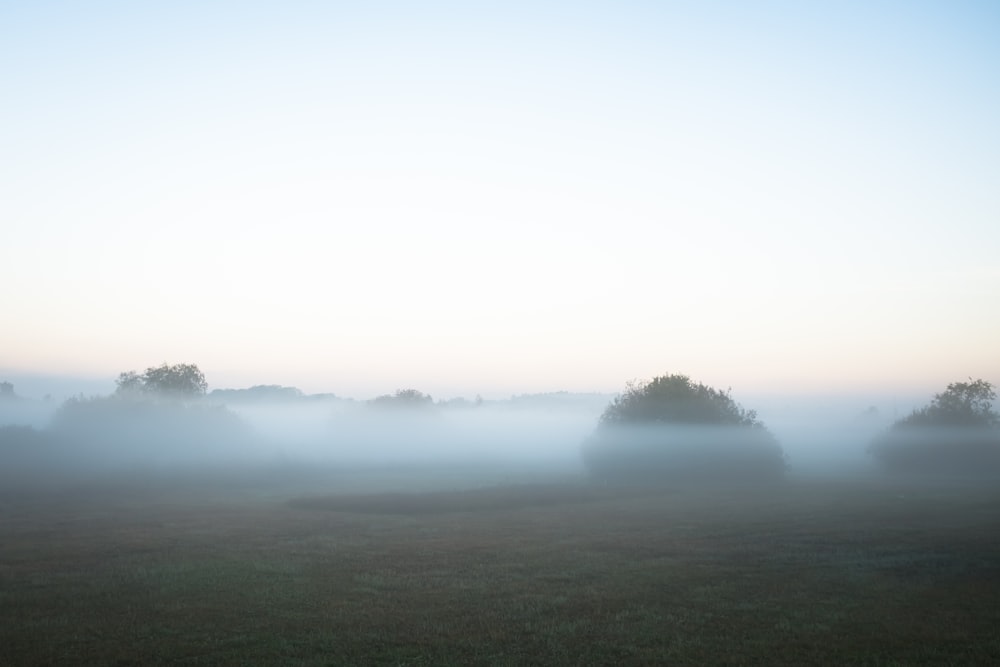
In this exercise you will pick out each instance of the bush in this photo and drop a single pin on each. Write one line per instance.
(957, 432)
(671, 429)
(137, 430)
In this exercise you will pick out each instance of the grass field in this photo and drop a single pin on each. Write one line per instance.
(286, 571)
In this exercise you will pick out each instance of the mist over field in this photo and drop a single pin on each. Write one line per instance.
(320, 528)
(572, 528)
(273, 426)
(828, 433)
(109, 433)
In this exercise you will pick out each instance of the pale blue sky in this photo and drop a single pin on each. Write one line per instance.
(497, 197)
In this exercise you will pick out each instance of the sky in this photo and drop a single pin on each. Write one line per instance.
(502, 197)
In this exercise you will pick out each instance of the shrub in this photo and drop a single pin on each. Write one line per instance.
(671, 429)
(135, 429)
(957, 432)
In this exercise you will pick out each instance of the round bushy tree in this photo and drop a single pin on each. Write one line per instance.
(671, 429)
(165, 380)
(153, 417)
(957, 432)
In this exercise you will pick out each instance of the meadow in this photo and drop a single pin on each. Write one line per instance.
(327, 566)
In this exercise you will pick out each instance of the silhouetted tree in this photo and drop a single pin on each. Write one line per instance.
(958, 431)
(671, 428)
(178, 380)
(675, 399)
(965, 404)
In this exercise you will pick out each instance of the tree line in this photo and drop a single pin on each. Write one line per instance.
(666, 429)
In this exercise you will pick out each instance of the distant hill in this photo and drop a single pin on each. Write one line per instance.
(267, 393)
(561, 400)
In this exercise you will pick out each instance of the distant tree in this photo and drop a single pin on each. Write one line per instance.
(129, 382)
(958, 431)
(403, 399)
(675, 399)
(177, 380)
(965, 404)
(7, 390)
(671, 428)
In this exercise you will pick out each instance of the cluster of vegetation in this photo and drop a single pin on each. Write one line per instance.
(958, 431)
(675, 399)
(154, 416)
(403, 399)
(671, 429)
(164, 381)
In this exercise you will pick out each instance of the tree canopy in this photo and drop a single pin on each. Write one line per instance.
(675, 399)
(177, 380)
(963, 404)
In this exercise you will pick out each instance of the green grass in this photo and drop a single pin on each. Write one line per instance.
(824, 572)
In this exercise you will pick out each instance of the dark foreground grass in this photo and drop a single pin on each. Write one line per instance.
(806, 573)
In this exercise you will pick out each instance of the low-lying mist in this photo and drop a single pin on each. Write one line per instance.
(826, 434)
(122, 434)
(221, 432)
(359, 433)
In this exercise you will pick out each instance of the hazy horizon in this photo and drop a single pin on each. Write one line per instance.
(37, 386)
